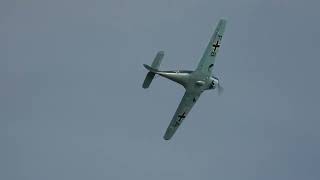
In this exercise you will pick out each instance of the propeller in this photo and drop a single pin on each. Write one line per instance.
(220, 89)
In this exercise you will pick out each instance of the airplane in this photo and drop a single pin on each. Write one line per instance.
(195, 82)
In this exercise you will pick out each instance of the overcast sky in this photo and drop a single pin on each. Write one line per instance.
(72, 106)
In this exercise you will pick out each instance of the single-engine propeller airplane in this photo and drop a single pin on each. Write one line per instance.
(195, 82)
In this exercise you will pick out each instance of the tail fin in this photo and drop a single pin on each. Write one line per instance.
(154, 67)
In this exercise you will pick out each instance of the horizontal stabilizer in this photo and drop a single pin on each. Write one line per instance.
(152, 69)
(157, 60)
(147, 81)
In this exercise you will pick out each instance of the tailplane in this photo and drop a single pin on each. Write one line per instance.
(154, 67)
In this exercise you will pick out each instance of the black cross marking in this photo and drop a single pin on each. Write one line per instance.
(182, 116)
(216, 46)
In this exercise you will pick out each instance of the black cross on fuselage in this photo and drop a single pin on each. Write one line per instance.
(182, 116)
(216, 46)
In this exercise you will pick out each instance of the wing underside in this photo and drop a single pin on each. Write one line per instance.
(186, 104)
(208, 59)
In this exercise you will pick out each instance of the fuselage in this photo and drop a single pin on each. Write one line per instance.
(191, 80)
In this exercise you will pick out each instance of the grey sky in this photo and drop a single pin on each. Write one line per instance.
(72, 106)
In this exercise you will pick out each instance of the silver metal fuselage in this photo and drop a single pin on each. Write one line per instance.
(191, 80)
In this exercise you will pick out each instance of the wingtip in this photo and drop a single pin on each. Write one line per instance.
(161, 52)
(223, 19)
(166, 138)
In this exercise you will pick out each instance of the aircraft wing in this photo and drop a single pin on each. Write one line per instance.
(187, 102)
(208, 59)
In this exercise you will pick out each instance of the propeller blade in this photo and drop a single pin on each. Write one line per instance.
(220, 89)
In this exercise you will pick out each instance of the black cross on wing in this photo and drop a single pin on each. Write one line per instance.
(216, 45)
(184, 107)
(182, 116)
